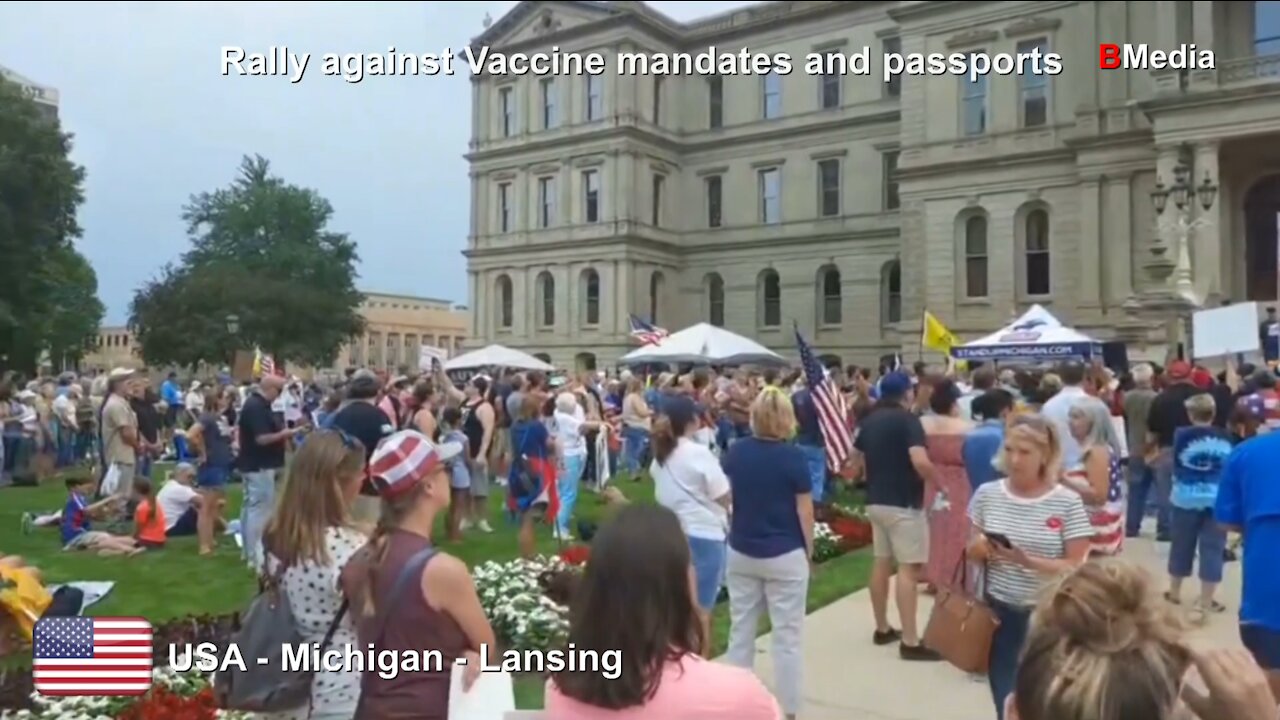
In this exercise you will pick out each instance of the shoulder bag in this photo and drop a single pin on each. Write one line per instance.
(961, 625)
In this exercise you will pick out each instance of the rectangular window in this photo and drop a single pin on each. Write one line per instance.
(771, 196)
(892, 46)
(1033, 88)
(771, 100)
(591, 195)
(595, 97)
(829, 187)
(507, 110)
(973, 102)
(504, 207)
(713, 201)
(829, 82)
(715, 101)
(550, 116)
(890, 180)
(546, 201)
(657, 99)
(658, 182)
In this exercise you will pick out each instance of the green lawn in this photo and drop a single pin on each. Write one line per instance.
(176, 582)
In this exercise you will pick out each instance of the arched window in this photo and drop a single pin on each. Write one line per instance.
(830, 310)
(891, 292)
(393, 350)
(590, 297)
(584, 361)
(657, 283)
(770, 288)
(546, 299)
(1036, 253)
(715, 299)
(976, 260)
(504, 301)
(543, 357)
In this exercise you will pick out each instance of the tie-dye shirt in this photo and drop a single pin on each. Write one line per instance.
(1199, 454)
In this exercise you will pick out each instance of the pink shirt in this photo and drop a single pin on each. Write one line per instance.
(691, 689)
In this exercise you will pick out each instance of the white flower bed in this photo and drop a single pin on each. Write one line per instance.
(522, 617)
(108, 708)
(826, 544)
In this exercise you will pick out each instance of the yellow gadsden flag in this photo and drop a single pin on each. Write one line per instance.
(935, 336)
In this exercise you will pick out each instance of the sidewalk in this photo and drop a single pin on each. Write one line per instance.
(847, 677)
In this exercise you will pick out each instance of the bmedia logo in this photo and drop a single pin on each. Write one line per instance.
(96, 657)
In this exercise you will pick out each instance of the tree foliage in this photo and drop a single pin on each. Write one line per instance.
(260, 250)
(48, 291)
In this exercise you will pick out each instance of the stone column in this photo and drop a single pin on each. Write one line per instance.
(1091, 244)
(1207, 249)
(1166, 81)
(1204, 35)
(1118, 238)
(480, 117)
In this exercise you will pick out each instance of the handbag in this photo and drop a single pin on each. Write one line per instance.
(961, 625)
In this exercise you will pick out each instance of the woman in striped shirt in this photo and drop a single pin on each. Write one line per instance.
(1028, 529)
(1097, 477)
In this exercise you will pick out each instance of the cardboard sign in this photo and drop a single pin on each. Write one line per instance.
(1223, 331)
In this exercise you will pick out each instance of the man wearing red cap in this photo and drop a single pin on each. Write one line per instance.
(1168, 413)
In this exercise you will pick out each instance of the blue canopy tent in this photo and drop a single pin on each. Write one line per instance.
(1037, 336)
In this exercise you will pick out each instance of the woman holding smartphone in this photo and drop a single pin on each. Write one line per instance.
(1028, 529)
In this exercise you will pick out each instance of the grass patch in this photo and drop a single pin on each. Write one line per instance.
(176, 582)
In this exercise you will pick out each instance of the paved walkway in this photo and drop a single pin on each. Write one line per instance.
(848, 678)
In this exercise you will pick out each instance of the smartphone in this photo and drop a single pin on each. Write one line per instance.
(999, 539)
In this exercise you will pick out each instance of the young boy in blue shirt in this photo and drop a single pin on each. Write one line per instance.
(77, 529)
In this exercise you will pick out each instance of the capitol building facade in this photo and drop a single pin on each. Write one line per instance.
(1115, 198)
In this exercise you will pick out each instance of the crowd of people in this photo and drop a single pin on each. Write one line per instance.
(1032, 478)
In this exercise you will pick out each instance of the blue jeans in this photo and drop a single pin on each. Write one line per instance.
(1140, 482)
(568, 476)
(1006, 646)
(144, 466)
(66, 443)
(816, 459)
(1162, 472)
(635, 441)
(709, 558)
(1192, 528)
(259, 501)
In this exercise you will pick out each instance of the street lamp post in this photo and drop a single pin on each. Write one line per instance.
(1181, 226)
(233, 329)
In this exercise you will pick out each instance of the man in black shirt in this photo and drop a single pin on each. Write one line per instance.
(889, 445)
(262, 444)
(1168, 413)
(360, 417)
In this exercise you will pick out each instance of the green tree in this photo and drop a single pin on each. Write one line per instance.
(261, 250)
(41, 270)
(175, 318)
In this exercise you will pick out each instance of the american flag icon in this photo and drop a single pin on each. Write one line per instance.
(102, 656)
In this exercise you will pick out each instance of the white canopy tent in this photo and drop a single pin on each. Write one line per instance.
(1037, 336)
(704, 344)
(496, 356)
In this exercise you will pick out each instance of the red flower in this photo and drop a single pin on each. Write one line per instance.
(576, 554)
(1054, 523)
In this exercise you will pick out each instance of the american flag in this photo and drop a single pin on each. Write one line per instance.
(646, 333)
(102, 656)
(829, 406)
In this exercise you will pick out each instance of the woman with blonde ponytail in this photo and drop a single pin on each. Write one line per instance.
(405, 595)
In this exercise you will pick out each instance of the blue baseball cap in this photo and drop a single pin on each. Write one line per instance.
(894, 384)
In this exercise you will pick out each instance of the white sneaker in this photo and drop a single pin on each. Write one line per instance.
(483, 526)
(465, 524)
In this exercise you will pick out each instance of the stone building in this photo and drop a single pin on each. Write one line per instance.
(850, 205)
(398, 325)
(46, 98)
(116, 348)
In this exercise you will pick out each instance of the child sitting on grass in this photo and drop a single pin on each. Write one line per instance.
(148, 518)
(78, 533)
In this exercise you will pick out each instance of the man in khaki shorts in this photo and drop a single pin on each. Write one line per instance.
(890, 447)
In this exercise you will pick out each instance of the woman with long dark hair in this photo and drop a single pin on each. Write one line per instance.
(636, 604)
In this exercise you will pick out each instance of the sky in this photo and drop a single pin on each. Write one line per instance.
(155, 121)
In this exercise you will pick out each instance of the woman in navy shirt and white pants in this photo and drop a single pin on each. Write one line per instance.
(770, 542)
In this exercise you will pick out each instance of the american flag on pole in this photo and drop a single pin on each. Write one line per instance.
(646, 333)
(101, 656)
(829, 405)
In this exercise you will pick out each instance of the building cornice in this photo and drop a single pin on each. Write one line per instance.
(916, 172)
(1201, 99)
(702, 142)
